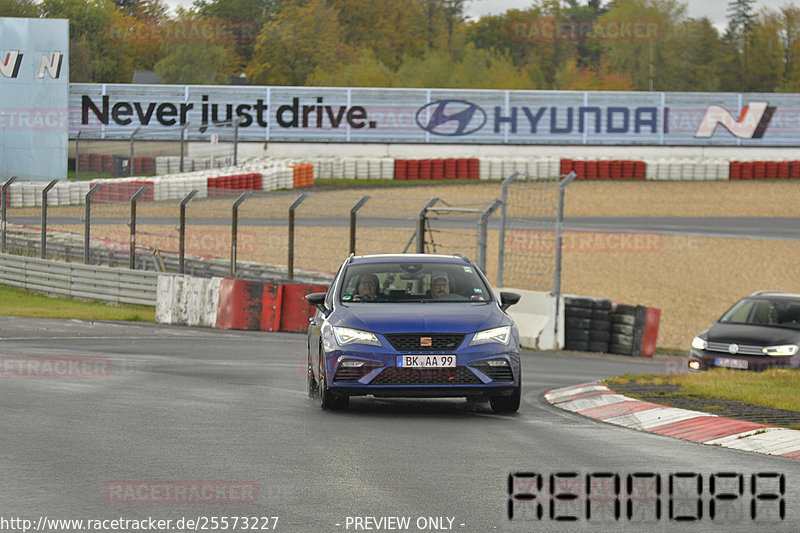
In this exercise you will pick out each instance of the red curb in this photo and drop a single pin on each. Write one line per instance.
(604, 412)
(705, 428)
(580, 396)
(794, 455)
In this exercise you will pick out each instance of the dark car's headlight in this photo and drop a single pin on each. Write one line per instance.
(784, 350)
(699, 344)
(345, 336)
(499, 335)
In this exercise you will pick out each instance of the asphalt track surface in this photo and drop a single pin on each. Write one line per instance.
(182, 404)
(734, 227)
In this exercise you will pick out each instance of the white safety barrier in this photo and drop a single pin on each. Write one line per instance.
(186, 300)
(541, 325)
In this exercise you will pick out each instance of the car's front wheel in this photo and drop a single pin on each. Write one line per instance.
(507, 404)
(327, 400)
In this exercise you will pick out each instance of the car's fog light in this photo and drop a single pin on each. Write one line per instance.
(351, 363)
(694, 365)
(497, 362)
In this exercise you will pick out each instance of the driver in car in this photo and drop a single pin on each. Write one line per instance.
(367, 288)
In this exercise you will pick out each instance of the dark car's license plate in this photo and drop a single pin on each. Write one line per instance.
(727, 362)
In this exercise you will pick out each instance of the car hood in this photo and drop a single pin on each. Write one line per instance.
(430, 317)
(752, 335)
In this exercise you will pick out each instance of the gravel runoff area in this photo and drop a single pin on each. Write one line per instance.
(691, 279)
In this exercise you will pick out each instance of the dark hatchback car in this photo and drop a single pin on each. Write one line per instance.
(413, 325)
(760, 331)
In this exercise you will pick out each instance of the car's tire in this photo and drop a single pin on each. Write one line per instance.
(625, 329)
(602, 303)
(621, 339)
(597, 335)
(601, 314)
(312, 383)
(577, 312)
(327, 400)
(620, 349)
(577, 335)
(507, 404)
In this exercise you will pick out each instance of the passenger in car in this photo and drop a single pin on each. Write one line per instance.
(367, 287)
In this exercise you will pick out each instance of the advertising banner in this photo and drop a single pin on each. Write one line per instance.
(360, 115)
(34, 91)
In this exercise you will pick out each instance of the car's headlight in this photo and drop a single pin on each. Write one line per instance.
(699, 344)
(783, 350)
(345, 336)
(499, 335)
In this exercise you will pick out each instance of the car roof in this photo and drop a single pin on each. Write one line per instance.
(407, 258)
(775, 294)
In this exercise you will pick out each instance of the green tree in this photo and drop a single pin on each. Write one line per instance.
(700, 53)
(198, 63)
(95, 23)
(790, 37)
(19, 8)
(652, 64)
(367, 71)
(766, 74)
(740, 23)
(303, 40)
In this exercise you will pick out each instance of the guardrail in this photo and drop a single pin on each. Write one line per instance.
(115, 285)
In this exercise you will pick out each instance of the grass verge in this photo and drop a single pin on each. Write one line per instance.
(777, 388)
(18, 302)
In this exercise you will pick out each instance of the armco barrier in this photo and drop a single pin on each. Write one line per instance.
(295, 310)
(239, 304)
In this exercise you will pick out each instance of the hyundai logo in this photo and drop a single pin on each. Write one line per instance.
(451, 118)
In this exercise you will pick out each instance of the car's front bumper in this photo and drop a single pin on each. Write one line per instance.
(707, 360)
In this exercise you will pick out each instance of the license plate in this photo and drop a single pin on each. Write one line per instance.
(426, 361)
(727, 362)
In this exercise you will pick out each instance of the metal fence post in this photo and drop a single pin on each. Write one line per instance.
(423, 213)
(44, 217)
(77, 155)
(290, 261)
(183, 139)
(87, 220)
(130, 161)
(235, 228)
(236, 140)
(559, 231)
(483, 222)
(182, 234)
(353, 212)
(3, 202)
(502, 244)
(134, 198)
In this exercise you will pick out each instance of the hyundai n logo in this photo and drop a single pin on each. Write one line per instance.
(751, 124)
(50, 64)
(451, 118)
(10, 66)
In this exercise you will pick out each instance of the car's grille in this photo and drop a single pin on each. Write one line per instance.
(744, 349)
(344, 373)
(415, 342)
(496, 373)
(426, 376)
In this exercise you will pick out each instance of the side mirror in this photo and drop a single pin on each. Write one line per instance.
(317, 299)
(507, 299)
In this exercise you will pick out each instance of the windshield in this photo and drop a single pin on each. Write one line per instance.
(413, 282)
(778, 312)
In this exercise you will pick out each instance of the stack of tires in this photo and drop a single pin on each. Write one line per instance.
(623, 327)
(587, 324)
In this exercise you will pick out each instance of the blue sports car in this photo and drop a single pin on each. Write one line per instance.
(413, 325)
